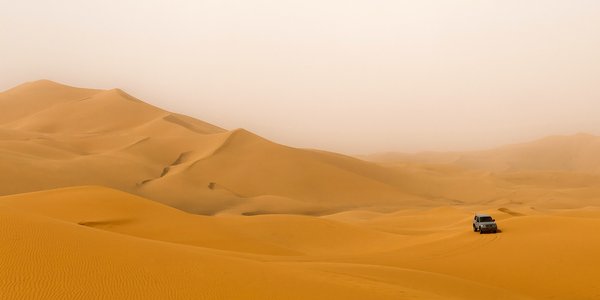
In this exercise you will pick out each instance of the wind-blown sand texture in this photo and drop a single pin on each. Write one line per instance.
(107, 197)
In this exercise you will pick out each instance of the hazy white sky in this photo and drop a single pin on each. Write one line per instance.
(351, 76)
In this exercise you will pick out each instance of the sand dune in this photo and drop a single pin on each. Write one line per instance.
(110, 138)
(70, 261)
(574, 153)
(108, 197)
(96, 242)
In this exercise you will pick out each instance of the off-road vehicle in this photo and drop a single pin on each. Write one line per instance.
(484, 223)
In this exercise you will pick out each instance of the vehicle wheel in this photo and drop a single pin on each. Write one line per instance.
(474, 228)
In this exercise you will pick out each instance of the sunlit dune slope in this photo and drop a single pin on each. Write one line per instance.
(48, 107)
(109, 138)
(52, 135)
(94, 242)
(46, 258)
(34, 97)
(119, 212)
(540, 254)
(249, 166)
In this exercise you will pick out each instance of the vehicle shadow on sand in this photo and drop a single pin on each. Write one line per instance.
(497, 231)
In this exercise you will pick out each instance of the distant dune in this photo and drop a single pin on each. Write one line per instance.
(575, 153)
(107, 197)
(109, 138)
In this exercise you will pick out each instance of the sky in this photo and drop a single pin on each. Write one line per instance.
(352, 76)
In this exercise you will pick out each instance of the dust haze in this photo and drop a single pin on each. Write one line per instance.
(347, 76)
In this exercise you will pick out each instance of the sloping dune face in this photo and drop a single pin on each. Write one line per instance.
(53, 135)
(94, 242)
(554, 172)
(48, 253)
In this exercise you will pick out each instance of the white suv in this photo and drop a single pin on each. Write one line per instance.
(484, 223)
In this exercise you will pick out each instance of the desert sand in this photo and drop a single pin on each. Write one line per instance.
(107, 197)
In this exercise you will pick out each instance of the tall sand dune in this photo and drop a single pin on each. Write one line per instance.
(52, 136)
(109, 138)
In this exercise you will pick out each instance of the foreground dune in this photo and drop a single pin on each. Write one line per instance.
(94, 242)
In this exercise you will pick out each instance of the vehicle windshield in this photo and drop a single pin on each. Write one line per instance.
(486, 219)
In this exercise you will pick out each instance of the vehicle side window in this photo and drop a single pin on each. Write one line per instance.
(476, 219)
